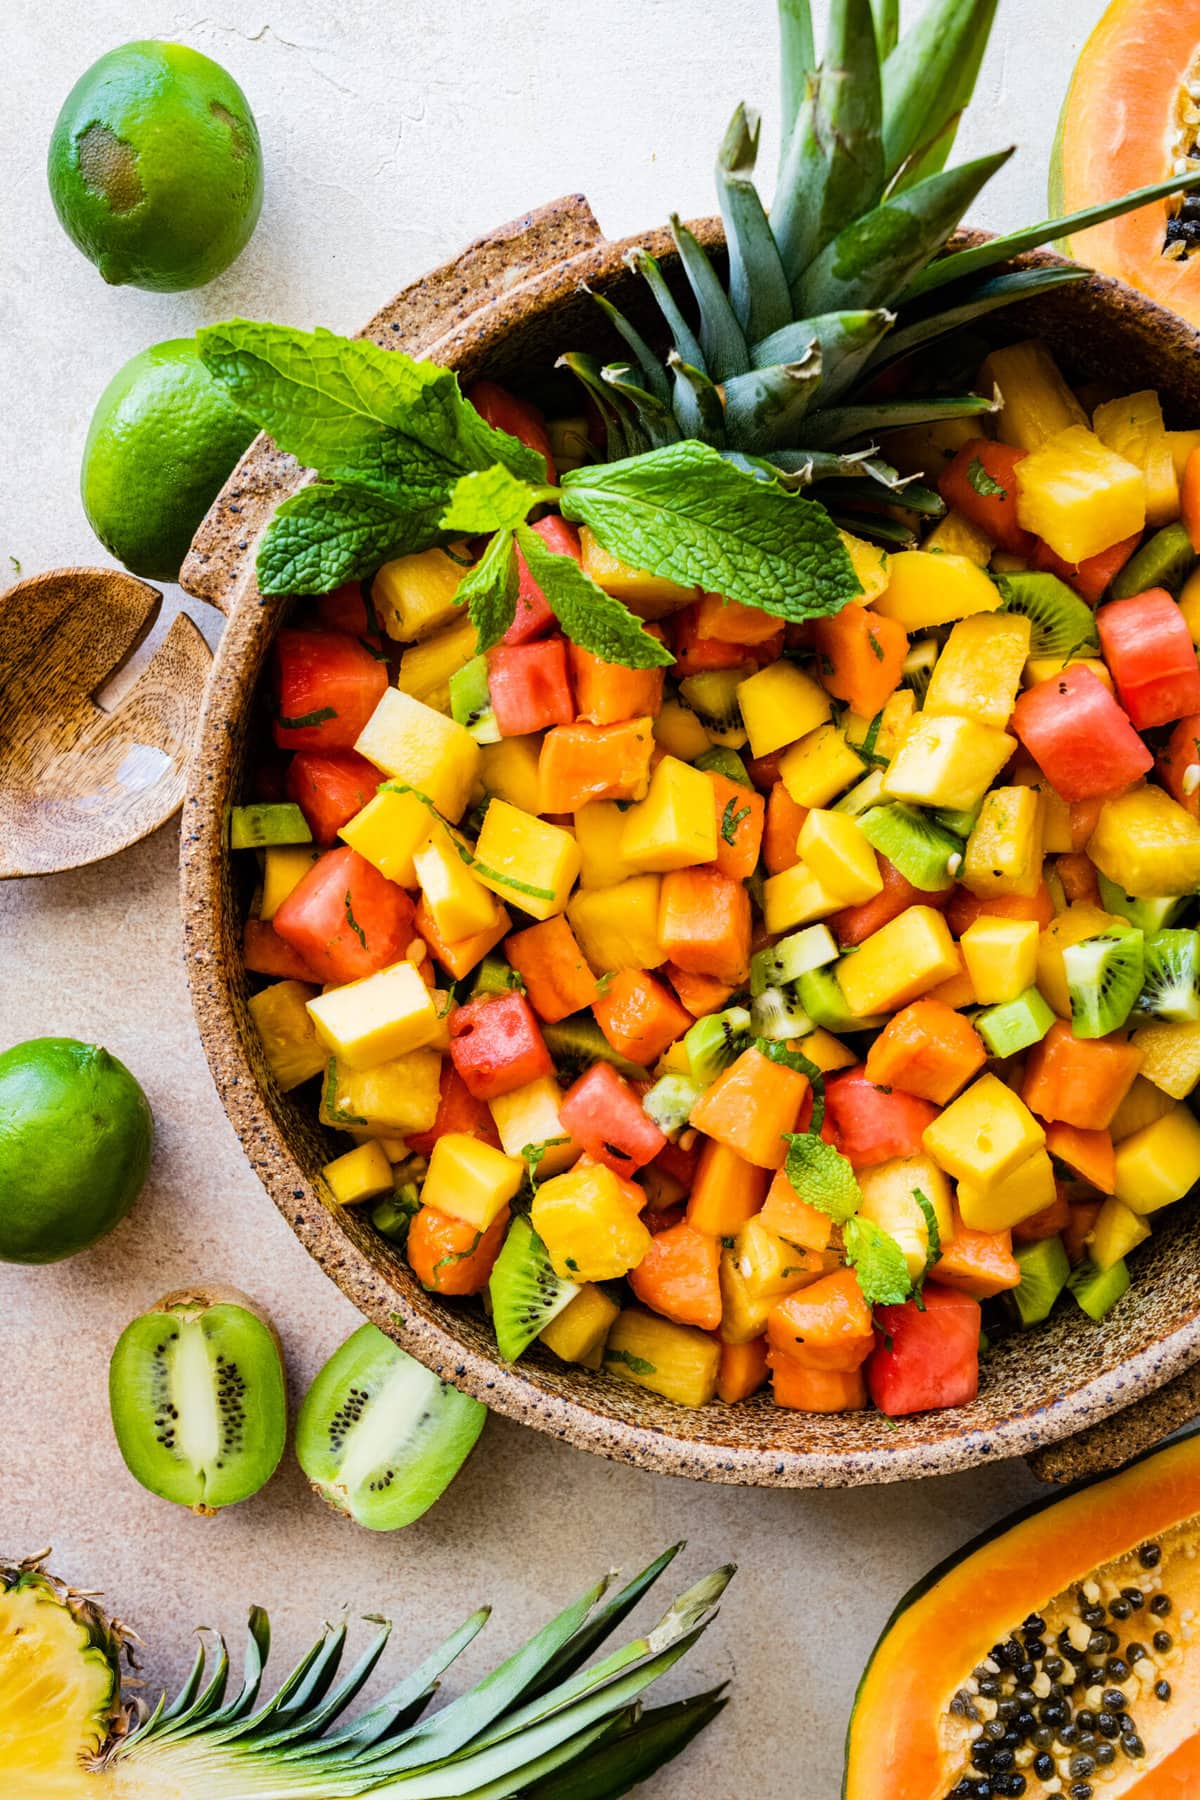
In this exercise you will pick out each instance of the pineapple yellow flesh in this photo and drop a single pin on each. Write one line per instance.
(1133, 427)
(1036, 403)
(56, 1692)
(1079, 495)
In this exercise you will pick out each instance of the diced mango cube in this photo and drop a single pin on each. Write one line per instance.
(678, 732)
(780, 704)
(359, 1174)
(889, 1191)
(423, 749)
(1036, 403)
(1080, 496)
(1117, 1231)
(870, 565)
(526, 859)
(650, 596)
(617, 927)
(599, 828)
(578, 1333)
(527, 1118)
(819, 767)
(926, 589)
(1160, 1163)
(284, 868)
(796, 897)
(470, 1180)
(1028, 1190)
(839, 856)
(375, 1019)
(828, 1052)
(985, 1134)
(290, 1043)
(394, 1098)
(1081, 920)
(899, 962)
(587, 1224)
(509, 771)
(947, 761)
(460, 904)
(675, 826)
(979, 670)
(388, 832)
(1147, 844)
(1001, 957)
(425, 668)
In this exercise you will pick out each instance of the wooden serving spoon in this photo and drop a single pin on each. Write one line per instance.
(79, 782)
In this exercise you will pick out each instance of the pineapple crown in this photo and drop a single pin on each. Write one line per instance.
(846, 274)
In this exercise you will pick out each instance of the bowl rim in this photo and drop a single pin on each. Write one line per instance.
(511, 1389)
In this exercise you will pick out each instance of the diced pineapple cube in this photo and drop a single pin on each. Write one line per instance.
(1001, 957)
(290, 1043)
(470, 1180)
(796, 897)
(1045, 668)
(870, 566)
(985, 1134)
(650, 596)
(1147, 844)
(820, 767)
(587, 1224)
(1004, 851)
(579, 1332)
(394, 1098)
(1027, 1190)
(526, 859)
(617, 927)
(1141, 1106)
(284, 868)
(839, 856)
(599, 828)
(947, 761)
(1133, 427)
(957, 536)
(927, 589)
(676, 1361)
(422, 748)
(459, 904)
(889, 1191)
(898, 963)
(1080, 496)
(527, 1118)
(388, 832)
(679, 732)
(743, 1312)
(769, 1265)
(509, 771)
(1170, 1056)
(1117, 1231)
(360, 1174)
(1160, 1163)
(415, 594)
(1182, 444)
(780, 704)
(426, 668)
(1036, 402)
(373, 1020)
(898, 714)
(979, 670)
(1057, 836)
(675, 826)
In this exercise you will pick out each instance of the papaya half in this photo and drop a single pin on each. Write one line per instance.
(1130, 118)
(1059, 1655)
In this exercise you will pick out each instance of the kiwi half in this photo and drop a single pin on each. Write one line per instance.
(1104, 979)
(379, 1436)
(1063, 624)
(525, 1292)
(198, 1399)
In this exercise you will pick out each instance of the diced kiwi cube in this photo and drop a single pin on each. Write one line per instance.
(792, 957)
(471, 701)
(1098, 1290)
(914, 843)
(777, 1014)
(264, 822)
(670, 1101)
(821, 996)
(1148, 914)
(1164, 561)
(1015, 1024)
(722, 760)
(1045, 1272)
(715, 1041)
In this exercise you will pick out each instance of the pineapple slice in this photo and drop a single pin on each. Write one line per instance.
(426, 668)
(979, 670)
(509, 769)
(1133, 427)
(394, 1099)
(1117, 1231)
(676, 1361)
(1147, 844)
(1036, 403)
(580, 1331)
(588, 1225)
(415, 595)
(1004, 851)
(290, 1043)
(947, 761)
(870, 565)
(957, 536)
(1080, 496)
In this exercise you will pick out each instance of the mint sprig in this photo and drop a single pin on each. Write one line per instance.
(590, 618)
(333, 532)
(822, 1176)
(877, 1261)
(490, 500)
(489, 591)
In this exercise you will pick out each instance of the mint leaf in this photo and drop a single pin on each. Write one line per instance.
(983, 483)
(334, 532)
(688, 515)
(488, 500)
(878, 1262)
(349, 409)
(489, 591)
(822, 1176)
(590, 617)
(932, 1230)
(731, 818)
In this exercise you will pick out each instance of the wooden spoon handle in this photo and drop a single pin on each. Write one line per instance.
(1116, 1440)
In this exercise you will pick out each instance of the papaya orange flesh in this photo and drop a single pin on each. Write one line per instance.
(1123, 126)
(919, 1701)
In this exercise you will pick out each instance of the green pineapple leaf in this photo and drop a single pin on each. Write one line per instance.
(887, 25)
(624, 435)
(842, 424)
(804, 169)
(1001, 290)
(841, 336)
(684, 339)
(851, 100)
(797, 63)
(722, 340)
(758, 286)
(698, 405)
(656, 421)
(764, 408)
(653, 370)
(928, 81)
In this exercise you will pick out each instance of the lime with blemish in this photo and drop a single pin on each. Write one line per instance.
(155, 166)
(75, 1137)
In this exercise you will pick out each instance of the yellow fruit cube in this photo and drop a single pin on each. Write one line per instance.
(284, 868)
(509, 771)
(1189, 605)
(1057, 837)
(1080, 920)
(650, 596)
(979, 670)
(675, 826)
(579, 1332)
(413, 595)
(460, 904)
(780, 704)
(1004, 852)
(526, 860)
(1160, 1163)
(423, 749)
(743, 1312)
(393, 1099)
(840, 857)
(899, 962)
(1170, 1056)
(926, 588)
(1182, 444)
(828, 1052)
(1026, 1191)
(1036, 402)
(1117, 1231)
(889, 1191)
(1079, 496)
(588, 1226)
(947, 761)
(820, 767)
(679, 732)
(388, 832)
(898, 714)
(1045, 668)
(470, 1180)
(870, 565)
(985, 1134)
(426, 668)
(360, 1174)
(290, 1043)
(1001, 957)
(1141, 1106)
(768, 1264)
(957, 536)
(796, 897)
(375, 1019)
(599, 828)
(1133, 427)
(1147, 844)
(676, 1361)
(617, 927)
(527, 1118)
(394, 1148)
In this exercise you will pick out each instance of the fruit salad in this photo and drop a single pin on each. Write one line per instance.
(758, 1019)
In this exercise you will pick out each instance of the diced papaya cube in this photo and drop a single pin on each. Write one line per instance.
(802, 1389)
(678, 1276)
(1087, 1153)
(742, 1371)
(750, 1106)
(1079, 1081)
(979, 1263)
(928, 1050)
(824, 1326)
(554, 969)
(739, 813)
(581, 763)
(450, 1256)
(460, 956)
(704, 923)
(607, 693)
(794, 1219)
(726, 1191)
(639, 1015)
(699, 993)
(863, 656)
(784, 820)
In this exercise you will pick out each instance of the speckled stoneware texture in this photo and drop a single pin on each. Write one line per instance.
(507, 306)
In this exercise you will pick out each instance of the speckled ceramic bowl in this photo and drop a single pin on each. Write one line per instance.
(507, 306)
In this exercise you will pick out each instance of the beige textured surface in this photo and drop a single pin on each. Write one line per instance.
(393, 133)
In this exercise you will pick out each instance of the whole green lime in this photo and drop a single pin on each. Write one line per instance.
(155, 166)
(162, 439)
(75, 1137)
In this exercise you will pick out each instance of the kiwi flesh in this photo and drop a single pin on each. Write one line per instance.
(1149, 913)
(670, 1101)
(715, 1041)
(1045, 1272)
(917, 667)
(712, 696)
(1164, 561)
(776, 1014)
(1063, 624)
(721, 760)
(913, 843)
(577, 1042)
(198, 1398)
(1098, 1290)
(821, 995)
(793, 956)
(1104, 980)
(1014, 1025)
(471, 701)
(379, 1436)
(1171, 977)
(525, 1292)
